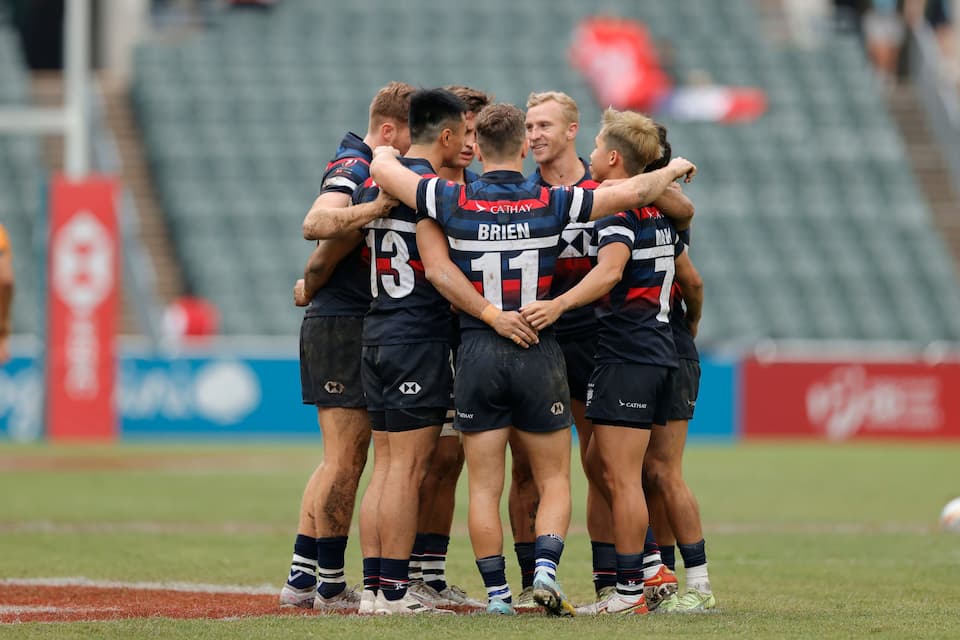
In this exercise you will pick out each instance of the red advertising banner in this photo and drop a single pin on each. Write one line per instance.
(83, 290)
(851, 400)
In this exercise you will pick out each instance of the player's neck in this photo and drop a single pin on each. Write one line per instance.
(566, 170)
(508, 165)
(426, 152)
(453, 174)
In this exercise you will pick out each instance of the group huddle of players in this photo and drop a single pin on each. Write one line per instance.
(450, 315)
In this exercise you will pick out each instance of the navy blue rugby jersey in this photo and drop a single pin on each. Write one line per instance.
(406, 308)
(504, 233)
(686, 347)
(635, 316)
(577, 249)
(347, 292)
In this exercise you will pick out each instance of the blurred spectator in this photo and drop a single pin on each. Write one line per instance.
(6, 293)
(883, 30)
(190, 319)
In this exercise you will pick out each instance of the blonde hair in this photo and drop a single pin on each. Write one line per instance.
(568, 106)
(392, 101)
(475, 99)
(500, 131)
(634, 136)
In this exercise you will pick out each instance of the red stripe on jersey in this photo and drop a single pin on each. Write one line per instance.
(587, 183)
(647, 293)
(572, 266)
(650, 212)
(496, 206)
(478, 286)
(383, 265)
(512, 286)
(416, 264)
(348, 162)
(365, 254)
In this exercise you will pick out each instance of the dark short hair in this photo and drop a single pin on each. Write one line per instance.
(475, 99)
(432, 111)
(501, 131)
(666, 152)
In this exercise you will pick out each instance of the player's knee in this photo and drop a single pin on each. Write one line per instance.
(447, 462)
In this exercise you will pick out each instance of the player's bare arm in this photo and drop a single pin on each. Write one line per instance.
(320, 266)
(611, 261)
(691, 286)
(674, 204)
(640, 190)
(453, 285)
(393, 177)
(333, 221)
(6, 293)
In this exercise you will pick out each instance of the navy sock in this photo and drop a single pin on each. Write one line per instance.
(493, 570)
(394, 577)
(604, 565)
(694, 554)
(527, 559)
(651, 555)
(549, 548)
(668, 553)
(435, 560)
(330, 576)
(630, 573)
(303, 567)
(371, 574)
(650, 543)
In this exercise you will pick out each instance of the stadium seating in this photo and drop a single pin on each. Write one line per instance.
(21, 179)
(809, 224)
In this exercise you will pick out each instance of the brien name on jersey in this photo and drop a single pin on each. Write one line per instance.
(504, 232)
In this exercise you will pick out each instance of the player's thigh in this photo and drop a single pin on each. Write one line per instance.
(548, 452)
(330, 354)
(345, 432)
(621, 449)
(485, 453)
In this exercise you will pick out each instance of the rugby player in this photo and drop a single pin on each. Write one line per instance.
(629, 390)
(552, 124)
(6, 293)
(335, 284)
(407, 370)
(503, 231)
(439, 487)
(673, 507)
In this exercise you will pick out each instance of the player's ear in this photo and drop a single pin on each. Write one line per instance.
(524, 149)
(388, 132)
(572, 130)
(612, 157)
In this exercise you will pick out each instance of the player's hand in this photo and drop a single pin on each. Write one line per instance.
(683, 168)
(512, 326)
(542, 313)
(693, 326)
(386, 149)
(300, 294)
(386, 202)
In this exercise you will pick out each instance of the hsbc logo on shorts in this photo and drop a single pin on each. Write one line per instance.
(334, 387)
(409, 388)
(557, 408)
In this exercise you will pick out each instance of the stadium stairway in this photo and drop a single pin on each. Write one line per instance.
(47, 89)
(928, 163)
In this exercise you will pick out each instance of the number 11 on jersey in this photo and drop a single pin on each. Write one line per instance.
(526, 262)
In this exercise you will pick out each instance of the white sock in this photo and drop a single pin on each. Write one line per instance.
(698, 579)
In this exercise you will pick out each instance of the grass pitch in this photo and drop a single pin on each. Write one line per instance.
(804, 540)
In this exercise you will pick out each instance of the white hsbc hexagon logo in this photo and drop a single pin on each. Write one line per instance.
(409, 388)
(334, 387)
(557, 408)
(83, 262)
